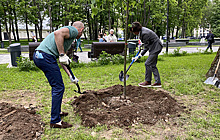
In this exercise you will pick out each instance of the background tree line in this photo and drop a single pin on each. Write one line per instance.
(184, 15)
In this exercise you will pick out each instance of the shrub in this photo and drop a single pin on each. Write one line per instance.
(117, 59)
(104, 58)
(24, 64)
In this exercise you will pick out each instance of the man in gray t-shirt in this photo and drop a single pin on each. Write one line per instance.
(54, 46)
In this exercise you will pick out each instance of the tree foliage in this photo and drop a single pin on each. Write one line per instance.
(103, 15)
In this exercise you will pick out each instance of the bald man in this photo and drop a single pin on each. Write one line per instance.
(54, 47)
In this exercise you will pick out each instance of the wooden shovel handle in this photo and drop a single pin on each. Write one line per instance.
(217, 65)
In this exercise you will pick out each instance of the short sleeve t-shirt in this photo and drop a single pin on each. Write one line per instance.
(48, 45)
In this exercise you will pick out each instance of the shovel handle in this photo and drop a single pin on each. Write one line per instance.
(217, 66)
(133, 61)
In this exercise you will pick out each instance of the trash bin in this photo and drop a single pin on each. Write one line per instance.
(132, 47)
(15, 51)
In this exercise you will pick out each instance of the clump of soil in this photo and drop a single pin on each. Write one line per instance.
(142, 105)
(19, 123)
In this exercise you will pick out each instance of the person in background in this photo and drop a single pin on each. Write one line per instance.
(54, 46)
(105, 37)
(152, 44)
(111, 37)
(100, 38)
(78, 45)
(210, 39)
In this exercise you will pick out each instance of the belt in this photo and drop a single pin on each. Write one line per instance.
(39, 51)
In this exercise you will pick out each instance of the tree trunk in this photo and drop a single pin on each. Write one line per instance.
(36, 31)
(148, 15)
(177, 31)
(125, 50)
(109, 19)
(26, 23)
(13, 30)
(49, 9)
(6, 25)
(1, 30)
(144, 20)
(89, 24)
(41, 23)
(95, 28)
(16, 25)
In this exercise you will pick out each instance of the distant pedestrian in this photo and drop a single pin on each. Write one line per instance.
(78, 45)
(111, 37)
(210, 39)
(153, 44)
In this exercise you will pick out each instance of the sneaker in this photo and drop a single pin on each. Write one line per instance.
(63, 114)
(156, 85)
(61, 124)
(145, 84)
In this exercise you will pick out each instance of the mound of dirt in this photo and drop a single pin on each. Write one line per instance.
(142, 105)
(19, 123)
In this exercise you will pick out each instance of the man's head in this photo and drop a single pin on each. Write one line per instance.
(210, 31)
(80, 27)
(111, 31)
(135, 27)
(105, 34)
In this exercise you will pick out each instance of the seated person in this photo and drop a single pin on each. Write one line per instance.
(111, 37)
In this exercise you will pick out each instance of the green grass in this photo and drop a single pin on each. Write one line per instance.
(182, 76)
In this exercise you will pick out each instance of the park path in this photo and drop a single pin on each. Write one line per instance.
(83, 56)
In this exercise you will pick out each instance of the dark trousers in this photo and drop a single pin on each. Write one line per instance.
(48, 64)
(209, 45)
(150, 66)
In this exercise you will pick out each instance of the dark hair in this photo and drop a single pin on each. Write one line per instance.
(135, 27)
(101, 35)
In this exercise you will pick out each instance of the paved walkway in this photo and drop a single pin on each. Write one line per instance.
(83, 56)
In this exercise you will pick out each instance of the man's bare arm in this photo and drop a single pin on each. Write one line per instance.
(59, 36)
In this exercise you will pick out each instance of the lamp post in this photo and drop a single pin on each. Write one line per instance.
(167, 26)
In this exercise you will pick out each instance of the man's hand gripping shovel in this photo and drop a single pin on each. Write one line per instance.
(70, 73)
(121, 75)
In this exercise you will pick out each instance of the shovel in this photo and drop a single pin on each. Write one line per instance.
(69, 72)
(214, 80)
(121, 75)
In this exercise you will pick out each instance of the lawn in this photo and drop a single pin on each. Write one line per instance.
(182, 77)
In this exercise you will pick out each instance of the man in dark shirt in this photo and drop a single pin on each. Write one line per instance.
(210, 39)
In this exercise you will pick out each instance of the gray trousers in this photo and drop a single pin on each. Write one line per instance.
(150, 66)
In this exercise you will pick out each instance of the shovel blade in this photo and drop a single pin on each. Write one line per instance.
(211, 80)
(121, 76)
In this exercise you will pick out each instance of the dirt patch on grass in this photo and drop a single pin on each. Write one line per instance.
(19, 123)
(20, 97)
(142, 105)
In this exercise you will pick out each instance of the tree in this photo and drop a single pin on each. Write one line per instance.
(215, 18)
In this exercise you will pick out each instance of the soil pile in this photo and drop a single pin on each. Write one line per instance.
(142, 105)
(19, 123)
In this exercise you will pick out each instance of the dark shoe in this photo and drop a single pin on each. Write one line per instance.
(156, 85)
(62, 125)
(63, 114)
(145, 84)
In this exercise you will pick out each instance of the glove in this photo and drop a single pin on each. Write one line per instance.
(136, 58)
(65, 59)
(75, 81)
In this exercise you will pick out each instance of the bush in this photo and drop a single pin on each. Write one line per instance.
(117, 59)
(24, 64)
(104, 58)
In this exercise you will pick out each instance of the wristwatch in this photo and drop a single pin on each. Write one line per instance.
(61, 54)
